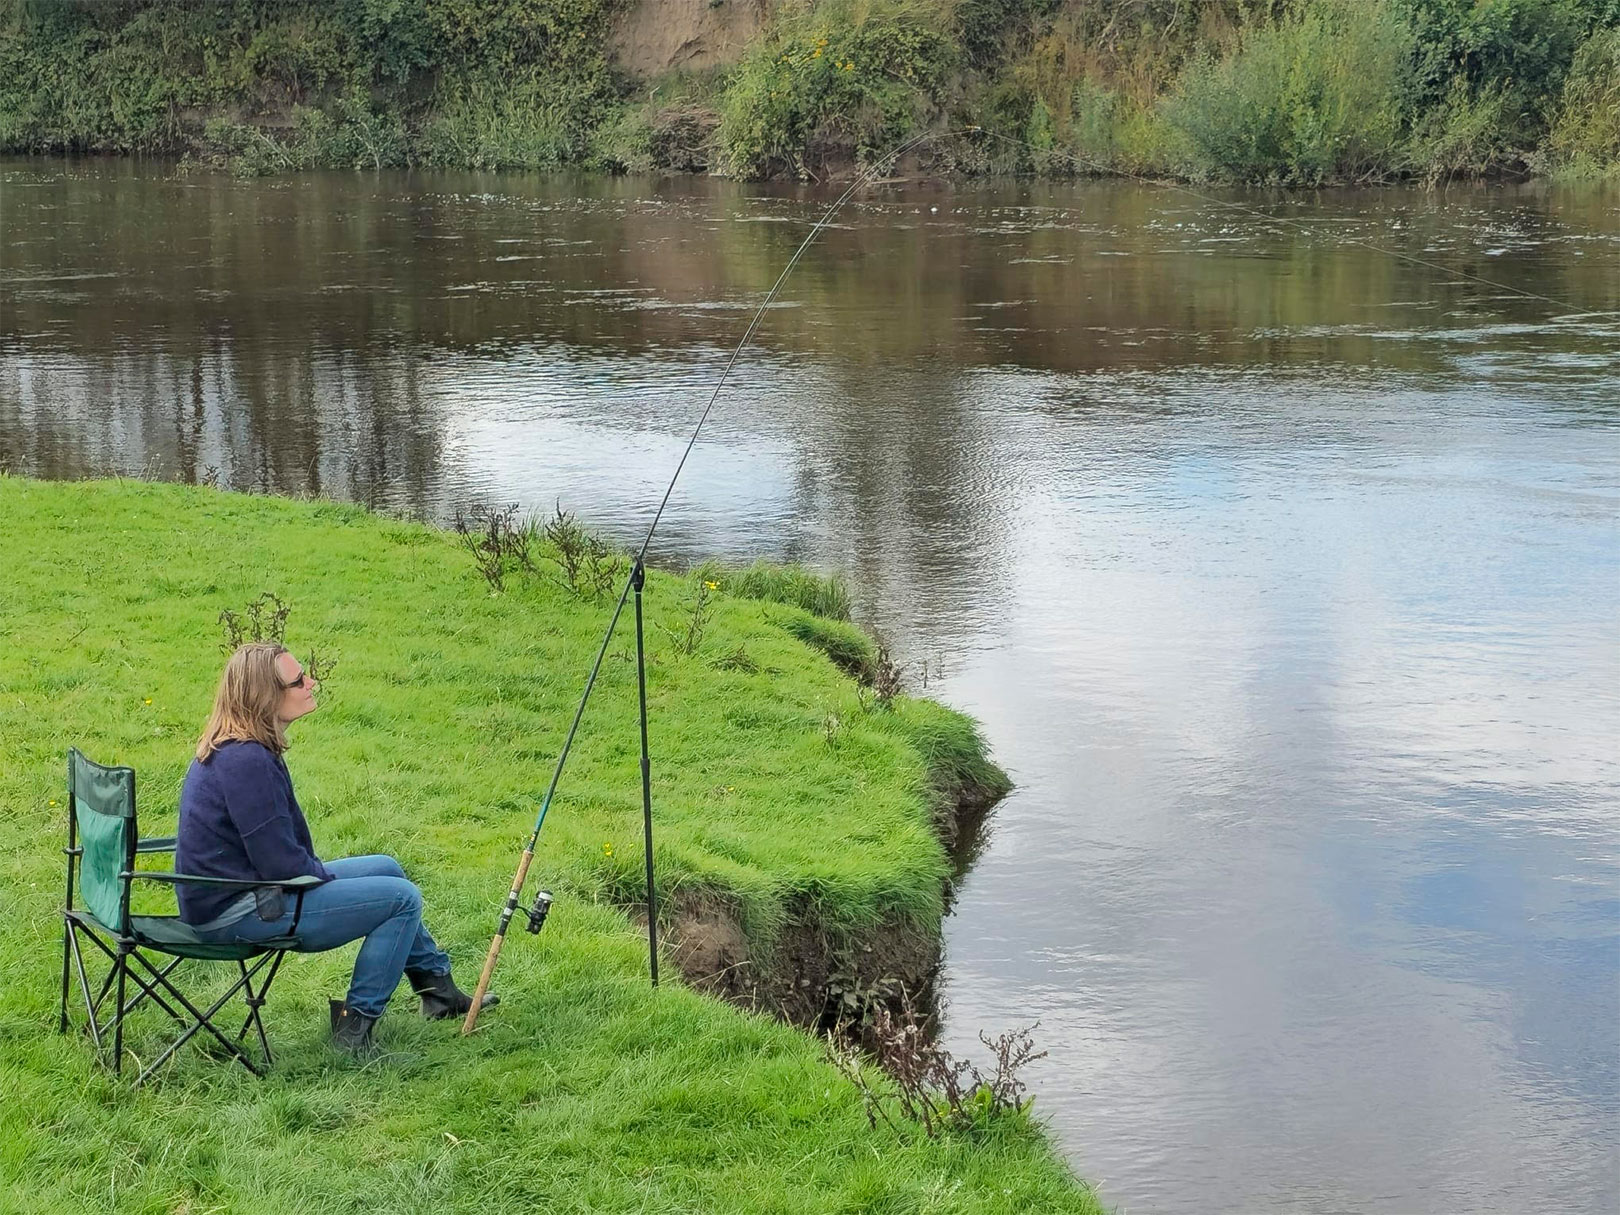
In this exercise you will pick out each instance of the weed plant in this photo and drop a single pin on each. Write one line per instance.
(920, 1081)
(687, 635)
(263, 619)
(584, 1091)
(498, 542)
(589, 564)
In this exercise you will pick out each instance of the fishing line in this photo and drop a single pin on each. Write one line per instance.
(637, 576)
(635, 582)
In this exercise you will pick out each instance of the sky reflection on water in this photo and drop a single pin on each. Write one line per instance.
(1282, 575)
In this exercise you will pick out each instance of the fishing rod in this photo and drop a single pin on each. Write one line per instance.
(634, 583)
(637, 577)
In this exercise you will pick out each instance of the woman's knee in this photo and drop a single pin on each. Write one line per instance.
(374, 864)
(409, 896)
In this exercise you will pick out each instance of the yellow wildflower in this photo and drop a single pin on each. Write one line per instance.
(713, 586)
(148, 700)
(607, 851)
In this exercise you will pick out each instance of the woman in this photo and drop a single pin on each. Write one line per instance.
(239, 819)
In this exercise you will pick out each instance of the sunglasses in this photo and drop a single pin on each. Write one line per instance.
(303, 678)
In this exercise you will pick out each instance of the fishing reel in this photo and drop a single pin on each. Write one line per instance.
(539, 911)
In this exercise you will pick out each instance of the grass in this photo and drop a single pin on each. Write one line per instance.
(791, 584)
(585, 1090)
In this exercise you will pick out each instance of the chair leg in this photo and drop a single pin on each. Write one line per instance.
(150, 992)
(101, 994)
(118, 1011)
(67, 955)
(92, 1004)
(160, 989)
(84, 986)
(255, 1001)
(201, 1020)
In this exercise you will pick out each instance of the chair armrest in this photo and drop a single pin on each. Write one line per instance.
(158, 843)
(302, 882)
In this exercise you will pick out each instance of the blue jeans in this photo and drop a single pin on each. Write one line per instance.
(372, 898)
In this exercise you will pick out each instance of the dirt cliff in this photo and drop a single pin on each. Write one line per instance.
(657, 36)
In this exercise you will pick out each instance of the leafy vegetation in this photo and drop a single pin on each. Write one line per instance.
(833, 80)
(1292, 91)
(585, 1091)
(1585, 139)
(1311, 96)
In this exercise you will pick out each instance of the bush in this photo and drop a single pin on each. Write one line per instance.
(486, 83)
(1309, 97)
(1467, 136)
(1510, 55)
(1585, 138)
(678, 135)
(832, 83)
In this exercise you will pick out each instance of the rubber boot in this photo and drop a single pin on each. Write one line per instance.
(441, 997)
(351, 1031)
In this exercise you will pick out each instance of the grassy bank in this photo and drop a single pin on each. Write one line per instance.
(1300, 92)
(584, 1091)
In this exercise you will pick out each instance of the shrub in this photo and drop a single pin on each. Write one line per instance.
(1585, 138)
(833, 82)
(487, 83)
(1510, 55)
(678, 135)
(1309, 97)
(1467, 136)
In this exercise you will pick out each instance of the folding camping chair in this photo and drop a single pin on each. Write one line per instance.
(102, 844)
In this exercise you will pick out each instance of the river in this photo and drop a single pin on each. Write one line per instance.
(1282, 571)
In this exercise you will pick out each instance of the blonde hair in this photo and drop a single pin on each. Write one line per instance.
(246, 703)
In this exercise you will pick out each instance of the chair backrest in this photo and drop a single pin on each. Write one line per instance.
(103, 805)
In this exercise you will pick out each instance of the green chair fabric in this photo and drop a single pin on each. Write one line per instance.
(103, 801)
(174, 936)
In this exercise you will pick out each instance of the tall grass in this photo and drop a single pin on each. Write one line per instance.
(849, 648)
(584, 1091)
(481, 125)
(819, 594)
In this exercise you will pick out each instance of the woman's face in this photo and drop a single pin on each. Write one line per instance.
(297, 689)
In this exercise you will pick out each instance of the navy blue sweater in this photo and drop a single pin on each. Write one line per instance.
(239, 819)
